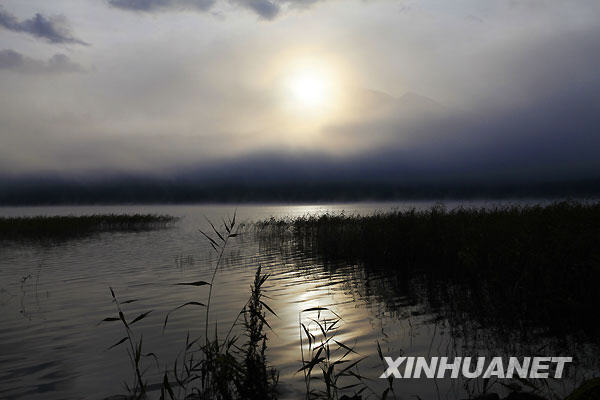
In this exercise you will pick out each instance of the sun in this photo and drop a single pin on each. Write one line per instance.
(311, 85)
(310, 89)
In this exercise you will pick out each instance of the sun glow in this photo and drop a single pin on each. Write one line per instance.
(311, 85)
(310, 88)
(310, 94)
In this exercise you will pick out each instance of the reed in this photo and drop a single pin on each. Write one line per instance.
(71, 226)
(522, 267)
(337, 362)
(134, 343)
(209, 368)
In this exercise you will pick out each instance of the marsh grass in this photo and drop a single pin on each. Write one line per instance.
(68, 227)
(519, 273)
(518, 267)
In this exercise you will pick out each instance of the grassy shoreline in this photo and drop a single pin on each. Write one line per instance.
(521, 267)
(71, 226)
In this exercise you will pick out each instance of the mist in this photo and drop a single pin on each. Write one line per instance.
(490, 94)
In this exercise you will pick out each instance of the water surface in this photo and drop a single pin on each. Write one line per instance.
(52, 297)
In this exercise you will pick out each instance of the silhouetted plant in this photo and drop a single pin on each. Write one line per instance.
(258, 380)
(134, 350)
(330, 356)
(211, 368)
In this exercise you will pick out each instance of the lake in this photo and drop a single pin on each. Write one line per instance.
(52, 298)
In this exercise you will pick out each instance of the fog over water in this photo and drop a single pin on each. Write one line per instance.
(408, 92)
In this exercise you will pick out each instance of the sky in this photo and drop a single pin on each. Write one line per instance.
(401, 90)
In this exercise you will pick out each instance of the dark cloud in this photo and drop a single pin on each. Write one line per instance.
(266, 9)
(59, 63)
(161, 5)
(270, 9)
(52, 29)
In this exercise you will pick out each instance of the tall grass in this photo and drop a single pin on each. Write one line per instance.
(534, 270)
(134, 344)
(209, 367)
(336, 361)
(70, 226)
(528, 268)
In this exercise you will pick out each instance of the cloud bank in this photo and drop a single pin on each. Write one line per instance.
(265, 9)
